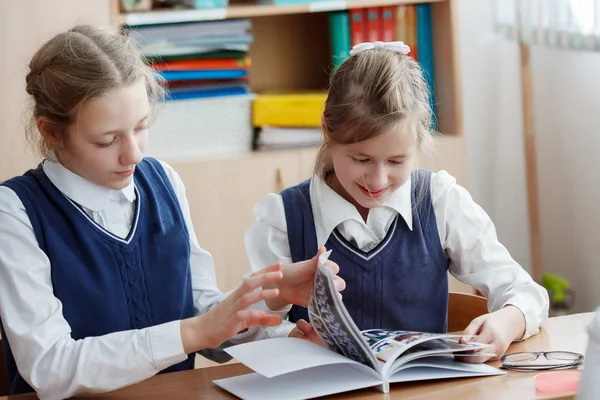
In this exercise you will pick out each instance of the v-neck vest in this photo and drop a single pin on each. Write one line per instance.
(105, 283)
(401, 284)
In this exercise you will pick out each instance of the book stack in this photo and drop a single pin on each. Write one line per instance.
(200, 59)
(288, 120)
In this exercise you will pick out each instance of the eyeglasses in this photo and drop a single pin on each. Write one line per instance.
(540, 360)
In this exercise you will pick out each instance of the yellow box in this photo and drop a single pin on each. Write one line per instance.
(288, 109)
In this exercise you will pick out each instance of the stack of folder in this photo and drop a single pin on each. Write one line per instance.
(200, 59)
(288, 120)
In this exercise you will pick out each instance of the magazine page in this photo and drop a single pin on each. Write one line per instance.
(399, 347)
(440, 367)
(388, 344)
(333, 324)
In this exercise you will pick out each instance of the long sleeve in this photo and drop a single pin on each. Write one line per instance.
(479, 259)
(53, 363)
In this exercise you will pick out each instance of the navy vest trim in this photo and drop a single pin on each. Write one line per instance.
(374, 252)
(132, 230)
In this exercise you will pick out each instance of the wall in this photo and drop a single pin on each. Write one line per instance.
(23, 29)
(566, 88)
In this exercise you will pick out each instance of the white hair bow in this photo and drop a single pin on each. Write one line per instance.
(398, 47)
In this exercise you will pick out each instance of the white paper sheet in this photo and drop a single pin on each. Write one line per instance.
(306, 384)
(279, 356)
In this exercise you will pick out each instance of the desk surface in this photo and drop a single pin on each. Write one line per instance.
(566, 333)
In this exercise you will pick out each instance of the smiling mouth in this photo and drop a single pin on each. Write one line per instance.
(126, 173)
(373, 193)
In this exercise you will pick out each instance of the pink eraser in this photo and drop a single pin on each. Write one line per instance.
(558, 381)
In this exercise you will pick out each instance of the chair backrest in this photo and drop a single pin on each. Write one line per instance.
(464, 308)
(3, 376)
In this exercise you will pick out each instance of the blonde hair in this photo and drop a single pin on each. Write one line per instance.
(371, 93)
(82, 63)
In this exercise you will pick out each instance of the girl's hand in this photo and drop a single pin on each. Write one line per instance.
(499, 329)
(232, 316)
(304, 330)
(298, 280)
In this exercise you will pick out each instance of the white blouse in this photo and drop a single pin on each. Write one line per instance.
(466, 232)
(54, 364)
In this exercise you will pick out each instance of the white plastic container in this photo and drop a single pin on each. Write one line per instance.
(202, 127)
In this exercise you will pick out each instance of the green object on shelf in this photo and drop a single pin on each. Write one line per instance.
(339, 33)
(557, 286)
(129, 5)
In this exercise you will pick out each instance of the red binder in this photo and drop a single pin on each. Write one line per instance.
(358, 26)
(373, 24)
(388, 29)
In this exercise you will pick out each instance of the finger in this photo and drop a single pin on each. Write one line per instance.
(247, 318)
(482, 355)
(339, 283)
(296, 333)
(271, 268)
(474, 328)
(309, 332)
(332, 266)
(254, 282)
(304, 326)
(320, 251)
(254, 297)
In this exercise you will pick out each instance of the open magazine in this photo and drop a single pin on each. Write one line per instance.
(293, 368)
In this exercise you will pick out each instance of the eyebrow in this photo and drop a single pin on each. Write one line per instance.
(117, 130)
(400, 156)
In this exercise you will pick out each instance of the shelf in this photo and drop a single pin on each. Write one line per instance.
(252, 10)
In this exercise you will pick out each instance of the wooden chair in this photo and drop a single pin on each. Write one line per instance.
(463, 308)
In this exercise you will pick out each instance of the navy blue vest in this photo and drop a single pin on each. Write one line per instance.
(401, 284)
(105, 283)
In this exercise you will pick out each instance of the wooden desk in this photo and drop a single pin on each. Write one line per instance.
(562, 333)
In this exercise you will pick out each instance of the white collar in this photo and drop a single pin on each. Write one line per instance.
(82, 191)
(330, 209)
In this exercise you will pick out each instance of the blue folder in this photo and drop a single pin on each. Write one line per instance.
(204, 74)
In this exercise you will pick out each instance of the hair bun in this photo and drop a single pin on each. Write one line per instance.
(30, 83)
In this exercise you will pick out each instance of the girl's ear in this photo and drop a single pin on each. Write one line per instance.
(49, 131)
(324, 129)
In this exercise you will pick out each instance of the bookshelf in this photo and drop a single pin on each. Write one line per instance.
(249, 10)
(286, 37)
(291, 51)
